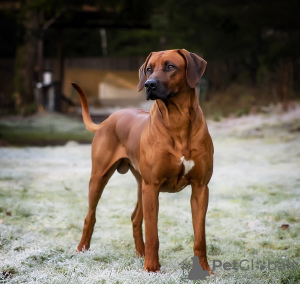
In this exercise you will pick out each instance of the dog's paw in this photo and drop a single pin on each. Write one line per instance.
(140, 254)
(152, 267)
(81, 248)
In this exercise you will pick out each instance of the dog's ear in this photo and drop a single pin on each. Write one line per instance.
(142, 74)
(195, 67)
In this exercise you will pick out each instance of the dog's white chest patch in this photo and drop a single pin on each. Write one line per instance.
(188, 165)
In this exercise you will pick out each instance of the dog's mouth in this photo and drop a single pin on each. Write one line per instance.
(151, 96)
(158, 94)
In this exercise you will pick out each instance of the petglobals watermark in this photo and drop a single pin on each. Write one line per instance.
(245, 265)
(193, 270)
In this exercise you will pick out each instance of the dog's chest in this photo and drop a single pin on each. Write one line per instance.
(173, 170)
(182, 174)
(187, 165)
(174, 161)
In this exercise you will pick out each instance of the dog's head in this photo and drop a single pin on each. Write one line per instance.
(166, 73)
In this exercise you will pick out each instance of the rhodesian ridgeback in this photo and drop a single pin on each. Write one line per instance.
(166, 150)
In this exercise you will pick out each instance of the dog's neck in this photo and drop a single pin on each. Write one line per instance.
(179, 115)
(177, 110)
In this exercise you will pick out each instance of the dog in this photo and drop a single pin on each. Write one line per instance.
(166, 150)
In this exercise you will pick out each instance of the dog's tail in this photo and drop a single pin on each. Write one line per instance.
(89, 124)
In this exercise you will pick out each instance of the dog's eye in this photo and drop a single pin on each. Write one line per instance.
(170, 67)
(149, 70)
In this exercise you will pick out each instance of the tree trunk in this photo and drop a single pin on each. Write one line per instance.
(26, 64)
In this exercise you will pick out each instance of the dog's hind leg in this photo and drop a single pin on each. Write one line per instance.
(137, 217)
(96, 187)
(104, 164)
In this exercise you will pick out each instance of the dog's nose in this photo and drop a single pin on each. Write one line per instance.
(151, 84)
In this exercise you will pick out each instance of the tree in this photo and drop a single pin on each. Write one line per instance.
(25, 61)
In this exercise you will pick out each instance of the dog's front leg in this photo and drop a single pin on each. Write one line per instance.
(199, 203)
(150, 212)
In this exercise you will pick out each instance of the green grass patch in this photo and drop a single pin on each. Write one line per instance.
(42, 129)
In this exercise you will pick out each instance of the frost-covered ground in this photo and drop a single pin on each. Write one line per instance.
(255, 189)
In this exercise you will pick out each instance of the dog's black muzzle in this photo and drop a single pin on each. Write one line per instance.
(156, 90)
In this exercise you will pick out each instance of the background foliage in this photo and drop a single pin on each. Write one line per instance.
(253, 43)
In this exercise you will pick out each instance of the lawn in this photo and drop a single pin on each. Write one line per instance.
(42, 129)
(253, 213)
